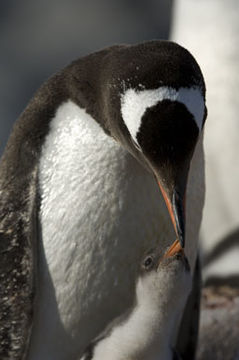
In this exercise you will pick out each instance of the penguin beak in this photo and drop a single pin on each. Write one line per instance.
(175, 201)
(176, 248)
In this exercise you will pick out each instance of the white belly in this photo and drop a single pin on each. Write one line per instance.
(100, 211)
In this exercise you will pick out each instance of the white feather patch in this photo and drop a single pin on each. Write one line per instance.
(135, 103)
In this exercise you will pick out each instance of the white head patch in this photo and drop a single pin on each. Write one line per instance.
(134, 104)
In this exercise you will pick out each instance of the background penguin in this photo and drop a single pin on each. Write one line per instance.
(71, 193)
(220, 66)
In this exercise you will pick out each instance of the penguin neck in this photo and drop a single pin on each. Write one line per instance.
(86, 90)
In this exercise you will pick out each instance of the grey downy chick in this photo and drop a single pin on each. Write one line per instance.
(148, 331)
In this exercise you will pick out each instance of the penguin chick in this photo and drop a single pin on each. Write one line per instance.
(145, 332)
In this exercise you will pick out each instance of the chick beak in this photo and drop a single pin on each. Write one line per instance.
(173, 250)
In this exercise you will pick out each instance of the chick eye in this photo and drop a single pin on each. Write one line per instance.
(148, 262)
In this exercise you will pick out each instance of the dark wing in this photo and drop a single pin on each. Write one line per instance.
(18, 224)
(18, 217)
(17, 260)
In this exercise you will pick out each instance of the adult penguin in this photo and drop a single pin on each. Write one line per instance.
(78, 210)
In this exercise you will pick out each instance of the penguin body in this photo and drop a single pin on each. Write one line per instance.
(103, 203)
(76, 206)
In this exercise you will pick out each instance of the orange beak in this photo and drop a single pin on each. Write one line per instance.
(174, 249)
(175, 201)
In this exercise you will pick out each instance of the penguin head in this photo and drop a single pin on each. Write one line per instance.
(161, 101)
(163, 277)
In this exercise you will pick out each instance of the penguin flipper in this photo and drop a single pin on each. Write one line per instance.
(17, 238)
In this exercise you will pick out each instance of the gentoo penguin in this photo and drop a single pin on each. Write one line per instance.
(144, 332)
(79, 202)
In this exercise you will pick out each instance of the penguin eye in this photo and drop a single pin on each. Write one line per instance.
(148, 262)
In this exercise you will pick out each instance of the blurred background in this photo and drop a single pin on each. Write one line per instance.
(210, 30)
(38, 38)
